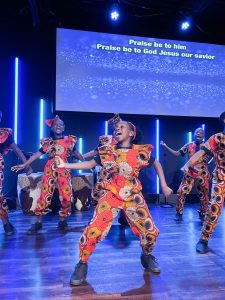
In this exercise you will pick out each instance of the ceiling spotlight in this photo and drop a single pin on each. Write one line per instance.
(114, 13)
(185, 25)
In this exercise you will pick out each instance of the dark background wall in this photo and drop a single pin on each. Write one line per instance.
(35, 48)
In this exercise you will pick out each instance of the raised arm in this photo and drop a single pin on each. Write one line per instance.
(85, 165)
(27, 162)
(159, 170)
(174, 152)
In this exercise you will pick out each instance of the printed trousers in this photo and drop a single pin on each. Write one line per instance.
(3, 203)
(52, 178)
(138, 217)
(214, 208)
(202, 187)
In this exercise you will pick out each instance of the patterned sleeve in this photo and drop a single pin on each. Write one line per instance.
(6, 139)
(101, 142)
(210, 145)
(73, 140)
(144, 153)
(105, 140)
(105, 154)
(5, 133)
(184, 150)
(101, 154)
(44, 145)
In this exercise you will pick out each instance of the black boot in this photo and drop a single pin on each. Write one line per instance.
(122, 220)
(79, 275)
(9, 229)
(202, 246)
(150, 263)
(178, 217)
(63, 225)
(34, 228)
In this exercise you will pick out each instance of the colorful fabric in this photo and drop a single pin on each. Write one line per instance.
(215, 207)
(4, 134)
(118, 189)
(61, 147)
(121, 168)
(138, 217)
(6, 140)
(115, 119)
(202, 188)
(3, 204)
(56, 177)
(106, 140)
(216, 147)
(49, 122)
(198, 175)
(200, 168)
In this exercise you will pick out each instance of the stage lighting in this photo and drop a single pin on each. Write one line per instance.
(203, 127)
(41, 119)
(185, 25)
(80, 149)
(41, 122)
(157, 153)
(106, 128)
(16, 98)
(189, 137)
(114, 14)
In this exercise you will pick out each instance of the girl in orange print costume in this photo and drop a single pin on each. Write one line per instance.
(119, 189)
(7, 143)
(110, 140)
(214, 146)
(197, 175)
(64, 146)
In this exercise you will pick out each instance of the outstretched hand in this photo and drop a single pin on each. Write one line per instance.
(18, 168)
(166, 191)
(162, 143)
(59, 162)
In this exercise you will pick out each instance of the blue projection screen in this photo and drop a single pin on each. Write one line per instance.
(107, 73)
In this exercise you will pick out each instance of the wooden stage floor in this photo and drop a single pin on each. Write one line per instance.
(39, 267)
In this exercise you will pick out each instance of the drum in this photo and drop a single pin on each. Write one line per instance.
(29, 190)
(82, 187)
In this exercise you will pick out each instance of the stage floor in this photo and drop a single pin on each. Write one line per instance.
(39, 267)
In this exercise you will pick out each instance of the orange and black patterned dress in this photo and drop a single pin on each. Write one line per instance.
(216, 147)
(6, 140)
(198, 175)
(118, 189)
(56, 177)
